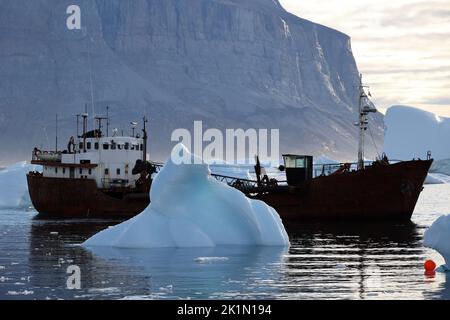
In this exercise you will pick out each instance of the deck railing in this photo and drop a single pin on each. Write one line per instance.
(38, 155)
(318, 170)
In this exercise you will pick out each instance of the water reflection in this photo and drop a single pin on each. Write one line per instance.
(221, 272)
(354, 260)
(325, 261)
(156, 273)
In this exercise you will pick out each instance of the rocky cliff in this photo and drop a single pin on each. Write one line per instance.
(230, 63)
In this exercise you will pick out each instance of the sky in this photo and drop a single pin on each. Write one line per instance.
(402, 47)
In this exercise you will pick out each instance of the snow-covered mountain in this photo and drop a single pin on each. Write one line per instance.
(411, 133)
(230, 63)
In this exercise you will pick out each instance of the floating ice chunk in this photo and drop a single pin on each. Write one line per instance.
(168, 289)
(210, 259)
(104, 290)
(13, 186)
(21, 293)
(437, 237)
(189, 208)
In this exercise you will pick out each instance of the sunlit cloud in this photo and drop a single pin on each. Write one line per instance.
(402, 47)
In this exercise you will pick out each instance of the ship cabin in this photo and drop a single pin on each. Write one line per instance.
(109, 160)
(298, 169)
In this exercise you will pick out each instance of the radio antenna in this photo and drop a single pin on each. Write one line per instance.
(56, 134)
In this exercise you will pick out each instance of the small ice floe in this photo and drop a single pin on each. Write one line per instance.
(54, 233)
(2, 268)
(104, 290)
(437, 237)
(210, 259)
(341, 266)
(20, 293)
(167, 289)
(4, 279)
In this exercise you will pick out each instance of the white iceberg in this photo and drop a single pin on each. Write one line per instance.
(437, 237)
(441, 167)
(13, 186)
(189, 208)
(411, 133)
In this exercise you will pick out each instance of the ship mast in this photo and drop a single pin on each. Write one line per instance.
(364, 109)
(145, 139)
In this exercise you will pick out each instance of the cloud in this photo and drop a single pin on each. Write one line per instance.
(401, 46)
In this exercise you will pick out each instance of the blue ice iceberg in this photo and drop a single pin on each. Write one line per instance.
(189, 208)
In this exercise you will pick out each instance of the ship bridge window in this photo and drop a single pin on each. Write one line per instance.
(113, 146)
(81, 171)
(295, 161)
(298, 169)
(80, 145)
(142, 147)
(96, 146)
(105, 146)
(89, 145)
(56, 169)
(119, 146)
(118, 171)
(106, 171)
(127, 146)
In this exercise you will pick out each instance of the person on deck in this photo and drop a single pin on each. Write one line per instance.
(71, 145)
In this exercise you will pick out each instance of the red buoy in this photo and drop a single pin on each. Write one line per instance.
(429, 265)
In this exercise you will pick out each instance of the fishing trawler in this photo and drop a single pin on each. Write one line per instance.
(98, 176)
(380, 190)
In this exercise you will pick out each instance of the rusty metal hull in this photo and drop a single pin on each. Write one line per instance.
(379, 193)
(80, 198)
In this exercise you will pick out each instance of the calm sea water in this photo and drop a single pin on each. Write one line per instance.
(325, 261)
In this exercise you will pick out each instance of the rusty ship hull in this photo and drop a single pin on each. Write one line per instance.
(388, 192)
(81, 198)
(377, 193)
